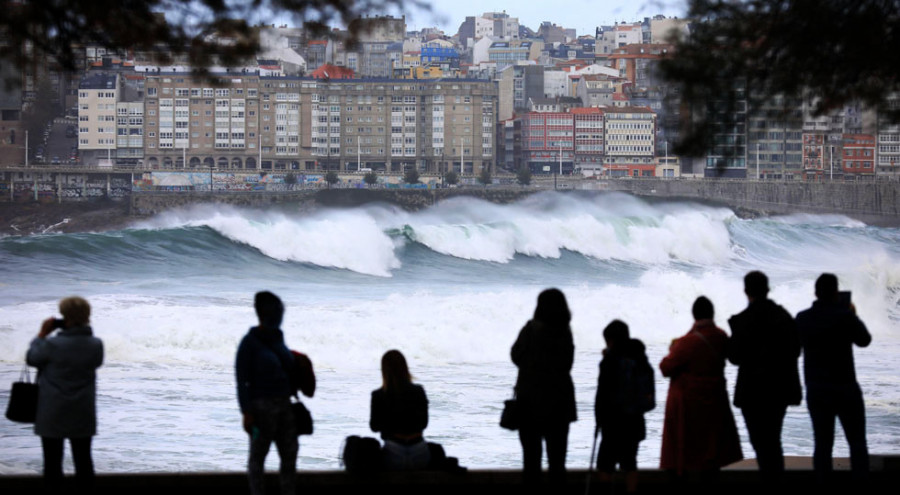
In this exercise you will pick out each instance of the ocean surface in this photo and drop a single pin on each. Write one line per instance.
(449, 286)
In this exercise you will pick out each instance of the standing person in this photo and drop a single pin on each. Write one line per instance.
(399, 410)
(765, 347)
(262, 367)
(828, 331)
(67, 399)
(699, 434)
(625, 391)
(544, 352)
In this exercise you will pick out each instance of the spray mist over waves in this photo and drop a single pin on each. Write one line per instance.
(369, 240)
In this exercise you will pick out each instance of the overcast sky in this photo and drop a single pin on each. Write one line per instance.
(583, 15)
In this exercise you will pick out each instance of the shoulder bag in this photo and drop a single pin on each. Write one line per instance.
(23, 399)
(511, 418)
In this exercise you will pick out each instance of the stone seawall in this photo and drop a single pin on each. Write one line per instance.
(875, 202)
(144, 203)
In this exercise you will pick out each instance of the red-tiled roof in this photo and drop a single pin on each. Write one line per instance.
(328, 71)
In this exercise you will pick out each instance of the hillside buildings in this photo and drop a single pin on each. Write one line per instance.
(496, 96)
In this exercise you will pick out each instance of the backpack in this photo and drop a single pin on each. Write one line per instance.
(636, 390)
(303, 378)
(361, 454)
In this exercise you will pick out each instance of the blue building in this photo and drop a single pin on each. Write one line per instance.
(439, 55)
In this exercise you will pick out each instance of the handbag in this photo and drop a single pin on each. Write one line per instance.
(303, 421)
(511, 417)
(23, 399)
(361, 455)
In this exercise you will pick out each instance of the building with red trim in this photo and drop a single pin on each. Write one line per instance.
(858, 155)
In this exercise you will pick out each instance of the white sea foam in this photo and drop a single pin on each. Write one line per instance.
(167, 389)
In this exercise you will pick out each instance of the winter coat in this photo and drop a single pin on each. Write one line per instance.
(827, 334)
(67, 376)
(765, 346)
(607, 409)
(403, 411)
(261, 367)
(699, 433)
(544, 387)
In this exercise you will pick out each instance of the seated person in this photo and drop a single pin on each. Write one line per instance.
(399, 412)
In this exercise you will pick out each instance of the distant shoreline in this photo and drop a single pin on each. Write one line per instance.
(103, 214)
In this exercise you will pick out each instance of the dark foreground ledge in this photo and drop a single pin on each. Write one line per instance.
(741, 478)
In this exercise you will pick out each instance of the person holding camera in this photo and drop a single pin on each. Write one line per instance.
(828, 330)
(67, 397)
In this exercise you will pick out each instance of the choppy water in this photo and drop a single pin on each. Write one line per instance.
(449, 286)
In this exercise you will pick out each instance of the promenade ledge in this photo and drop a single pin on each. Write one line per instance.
(738, 479)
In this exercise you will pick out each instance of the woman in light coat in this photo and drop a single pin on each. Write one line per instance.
(67, 364)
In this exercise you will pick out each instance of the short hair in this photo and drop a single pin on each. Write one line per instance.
(75, 310)
(616, 331)
(552, 308)
(269, 308)
(703, 309)
(826, 286)
(756, 284)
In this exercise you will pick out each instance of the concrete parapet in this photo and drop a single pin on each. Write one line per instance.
(875, 202)
(739, 479)
(143, 204)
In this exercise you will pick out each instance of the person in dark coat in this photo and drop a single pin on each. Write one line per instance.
(262, 367)
(67, 398)
(765, 347)
(399, 411)
(828, 330)
(544, 352)
(619, 406)
(699, 433)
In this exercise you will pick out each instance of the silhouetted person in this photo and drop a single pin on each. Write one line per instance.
(828, 331)
(262, 367)
(544, 352)
(399, 412)
(625, 391)
(699, 434)
(67, 399)
(765, 347)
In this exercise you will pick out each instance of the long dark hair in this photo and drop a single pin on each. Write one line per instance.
(552, 308)
(394, 370)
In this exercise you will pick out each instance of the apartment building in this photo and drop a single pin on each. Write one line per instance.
(814, 155)
(394, 125)
(98, 99)
(509, 52)
(888, 152)
(248, 121)
(193, 123)
(519, 83)
(588, 140)
(858, 153)
(629, 141)
(548, 142)
(596, 90)
(12, 128)
(775, 138)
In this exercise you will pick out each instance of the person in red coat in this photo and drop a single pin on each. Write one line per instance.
(699, 433)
